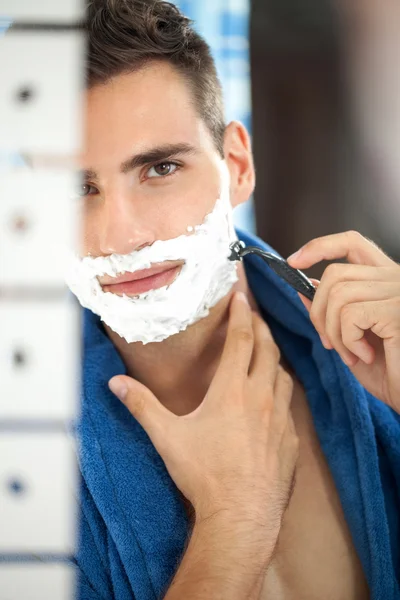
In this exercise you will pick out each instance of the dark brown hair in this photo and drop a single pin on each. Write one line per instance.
(125, 35)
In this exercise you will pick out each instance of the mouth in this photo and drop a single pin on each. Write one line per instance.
(143, 281)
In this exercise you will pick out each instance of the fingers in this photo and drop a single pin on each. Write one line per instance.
(283, 392)
(334, 279)
(344, 294)
(349, 244)
(238, 348)
(155, 419)
(381, 317)
(282, 428)
(340, 286)
(266, 354)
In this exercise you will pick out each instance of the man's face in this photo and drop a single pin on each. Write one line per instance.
(146, 119)
(152, 175)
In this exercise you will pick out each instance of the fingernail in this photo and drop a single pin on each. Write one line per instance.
(347, 361)
(118, 388)
(295, 254)
(241, 296)
(325, 342)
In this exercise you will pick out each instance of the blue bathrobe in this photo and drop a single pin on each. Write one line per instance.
(133, 524)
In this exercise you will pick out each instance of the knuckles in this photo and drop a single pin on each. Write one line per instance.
(333, 270)
(274, 351)
(285, 378)
(335, 293)
(346, 312)
(354, 236)
(338, 288)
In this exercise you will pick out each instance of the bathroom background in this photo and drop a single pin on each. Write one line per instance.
(315, 82)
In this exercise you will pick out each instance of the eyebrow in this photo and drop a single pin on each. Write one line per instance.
(157, 154)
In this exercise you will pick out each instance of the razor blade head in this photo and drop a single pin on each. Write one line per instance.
(236, 250)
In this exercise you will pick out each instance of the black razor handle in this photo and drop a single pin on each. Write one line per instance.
(292, 276)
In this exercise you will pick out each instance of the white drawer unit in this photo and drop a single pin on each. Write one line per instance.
(38, 477)
(36, 582)
(41, 85)
(42, 62)
(42, 11)
(39, 360)
(38, 220)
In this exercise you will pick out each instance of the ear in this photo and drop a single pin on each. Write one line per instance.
(239, 158)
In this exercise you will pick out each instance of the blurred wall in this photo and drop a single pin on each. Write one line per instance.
(315, 172)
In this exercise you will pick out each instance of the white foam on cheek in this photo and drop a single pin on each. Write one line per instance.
(205, 278)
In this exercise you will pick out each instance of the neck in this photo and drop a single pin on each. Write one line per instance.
(179, 370)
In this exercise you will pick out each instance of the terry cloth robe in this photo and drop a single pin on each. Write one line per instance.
(133, 525)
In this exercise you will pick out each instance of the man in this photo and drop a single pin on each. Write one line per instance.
(188, 483)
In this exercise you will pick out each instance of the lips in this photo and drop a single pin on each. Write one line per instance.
(143, 281)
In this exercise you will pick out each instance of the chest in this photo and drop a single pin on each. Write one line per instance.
(315, 557)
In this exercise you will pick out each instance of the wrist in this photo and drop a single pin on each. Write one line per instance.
(238, 529)
(251, 511)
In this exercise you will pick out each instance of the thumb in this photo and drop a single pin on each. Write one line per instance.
(144, 406)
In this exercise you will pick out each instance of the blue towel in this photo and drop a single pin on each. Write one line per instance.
(133, 525)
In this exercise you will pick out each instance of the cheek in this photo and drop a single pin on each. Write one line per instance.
(188, 207)
(156, 215)
(172, 215)
(178, 218)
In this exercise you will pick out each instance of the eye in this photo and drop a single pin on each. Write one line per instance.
(84, 190)
(162, 169)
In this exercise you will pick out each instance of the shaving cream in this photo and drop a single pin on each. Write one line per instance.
(205, 278)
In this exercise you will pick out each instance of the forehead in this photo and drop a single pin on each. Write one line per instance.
(151, 106)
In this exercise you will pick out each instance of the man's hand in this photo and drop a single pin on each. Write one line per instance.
(356, 309)
(237, 451)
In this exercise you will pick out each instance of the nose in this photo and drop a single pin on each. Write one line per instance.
(122, 231)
